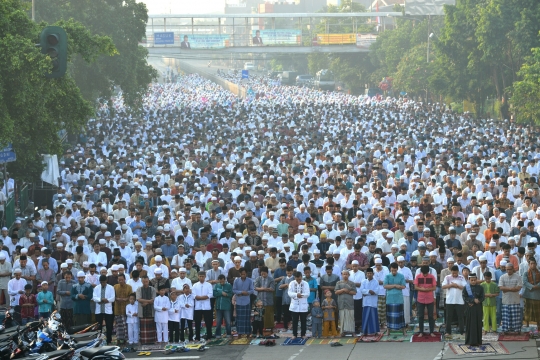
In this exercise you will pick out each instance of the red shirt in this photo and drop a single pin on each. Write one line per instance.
(27, 311)
(426, 282)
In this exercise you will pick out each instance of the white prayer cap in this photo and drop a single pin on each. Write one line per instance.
(158, 258)
(378, 261)
(253, 253)
(237, 258)
(63, 266)
(114, 268)
(433, 253)
(81, 273)
(354, 262)
(157, 271)
(479, 253)
(450, 259)
(399, 258)
(492, 244)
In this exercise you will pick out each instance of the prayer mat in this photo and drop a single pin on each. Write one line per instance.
(255, 342)
(194, 346)
(343, 341)
(491, 348)
(285, 334)
(530, 329)
(396, 336)
(218, 342)
(426, 338)
(296, 341)
(371, 338)
(490, 337)
(514, 337)
(153, 347)
(240, 341)
(278, 326)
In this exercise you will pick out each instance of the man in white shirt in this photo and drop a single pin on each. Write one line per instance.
(15, 289)
(97, 257)
(179, 282)
(203, 292)
(454, 285)
(357, 276)
(104, 297)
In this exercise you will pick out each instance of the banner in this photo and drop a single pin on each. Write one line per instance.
(164, 38)
(336, 39)
(364, 41)
(51, 173)
(279, 36)
(208, 41)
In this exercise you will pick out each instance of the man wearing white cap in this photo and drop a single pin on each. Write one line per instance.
(158, 265)
(481, 269)
(15, 289)
(97, 256)
(379, 274)
(491, 255)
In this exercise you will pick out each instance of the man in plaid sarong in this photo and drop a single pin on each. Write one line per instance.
(510, 284)
(145, 296)
(242, 289)
(122, 292)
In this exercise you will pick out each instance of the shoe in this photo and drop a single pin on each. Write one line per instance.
(337, 343)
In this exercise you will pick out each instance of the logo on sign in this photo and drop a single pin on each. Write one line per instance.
(164, 38)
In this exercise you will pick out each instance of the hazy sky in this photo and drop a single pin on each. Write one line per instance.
(184, 6)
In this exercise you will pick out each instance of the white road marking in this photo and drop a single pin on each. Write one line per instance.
(441, 353)
(171, 357)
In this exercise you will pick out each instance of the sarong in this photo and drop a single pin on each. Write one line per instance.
(346, 321)
(395, 316)
(511, 317)
(148, 330)
(532, 310)
(121, 328)
(370, 320)
(269, 317)
(243, 319)
(67, 317)
(381, 309)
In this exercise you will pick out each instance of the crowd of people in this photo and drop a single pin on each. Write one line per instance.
(291, 208)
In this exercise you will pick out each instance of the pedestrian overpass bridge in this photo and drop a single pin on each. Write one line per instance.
(193, 36)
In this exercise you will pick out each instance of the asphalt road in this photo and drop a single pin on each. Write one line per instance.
(359, 351)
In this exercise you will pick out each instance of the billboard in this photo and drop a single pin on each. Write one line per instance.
(279, 36)
(164, 38)
(208, 41)
(427, 7)
(336, 39)
(364, 41)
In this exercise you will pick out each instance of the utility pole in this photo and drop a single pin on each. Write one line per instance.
(33, 10)
(427, 55)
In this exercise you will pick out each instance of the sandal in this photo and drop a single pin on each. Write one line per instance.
(147, 353)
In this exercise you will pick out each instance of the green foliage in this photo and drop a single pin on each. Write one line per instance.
(125, 23)
(33, 109)
(526, 92)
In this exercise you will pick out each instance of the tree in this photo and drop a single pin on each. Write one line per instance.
(527, 90)
(33, 109)
(413, 72)
(125, 22)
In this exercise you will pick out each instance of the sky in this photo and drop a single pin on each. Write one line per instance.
(184, 6)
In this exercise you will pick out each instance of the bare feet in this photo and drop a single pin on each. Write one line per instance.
(432, 335)
(420, 335)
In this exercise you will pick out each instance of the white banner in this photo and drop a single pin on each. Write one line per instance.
(51, 173)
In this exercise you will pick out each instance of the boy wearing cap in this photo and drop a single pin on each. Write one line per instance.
(27, 303)
(489, 305)
(45, 301)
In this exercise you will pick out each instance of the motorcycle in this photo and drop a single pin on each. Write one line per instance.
(102, 353)
(78, 329)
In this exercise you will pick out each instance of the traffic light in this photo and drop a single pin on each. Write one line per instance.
(53, 42)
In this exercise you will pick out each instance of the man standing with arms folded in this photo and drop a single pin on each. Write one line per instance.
(510, 284)
(455, 305)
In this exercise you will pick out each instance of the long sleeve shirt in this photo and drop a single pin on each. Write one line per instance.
(160, 303)
(187, 304)
(45, 301)
(368, 299)
(14, 286)
(175, 310)
(223, 302)
(240, 286)
(64, 291)
(202, 289)
(82, 306)
(130, 310)
(109, 295)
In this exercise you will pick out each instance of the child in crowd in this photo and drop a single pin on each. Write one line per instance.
(132, 320)
(174, 318)
(161, 315)
(258, 319)
(491, 292)
(316, 319)
(28, 304)
(187, 303)
(329, 321)
(45, 301)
